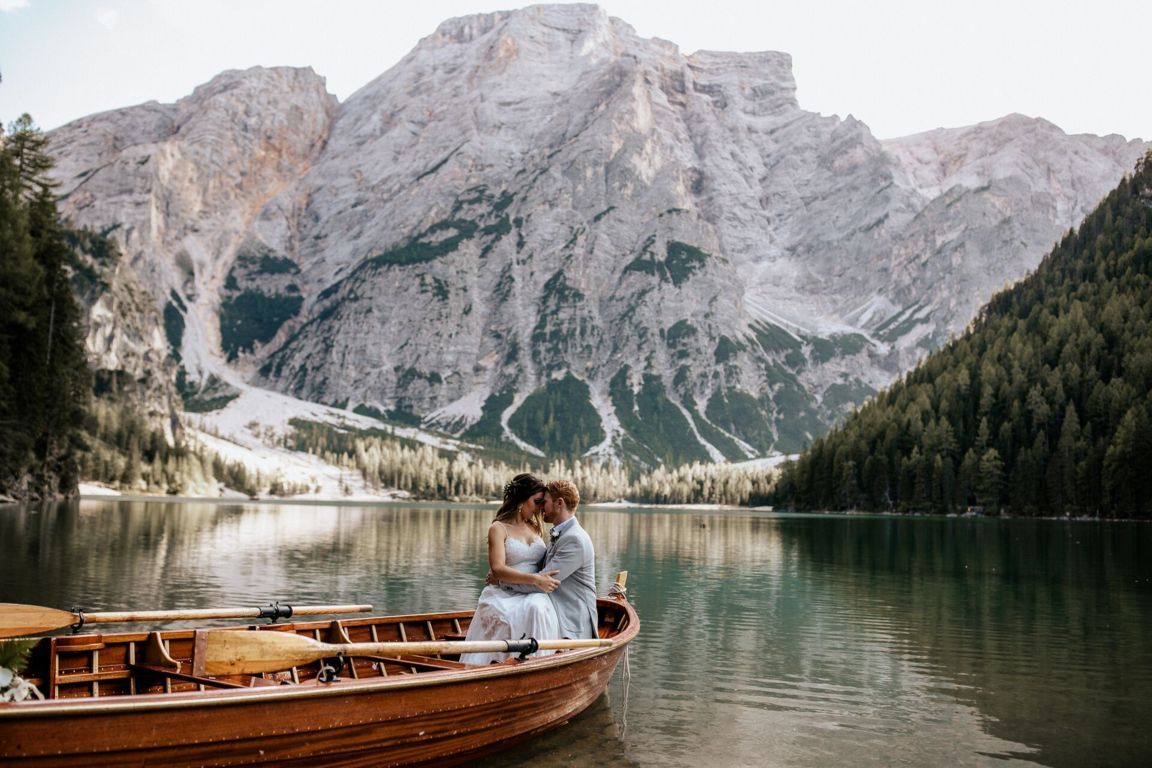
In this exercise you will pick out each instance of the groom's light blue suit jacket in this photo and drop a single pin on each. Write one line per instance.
(572, 555)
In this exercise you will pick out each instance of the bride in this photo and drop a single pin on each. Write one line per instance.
(515, 551)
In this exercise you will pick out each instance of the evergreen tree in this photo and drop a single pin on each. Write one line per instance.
(44, 379)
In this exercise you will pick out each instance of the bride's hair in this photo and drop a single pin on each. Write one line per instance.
(521, 488)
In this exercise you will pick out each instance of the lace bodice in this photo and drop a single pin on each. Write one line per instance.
(524, 557)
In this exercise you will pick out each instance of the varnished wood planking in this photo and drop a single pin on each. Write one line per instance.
(436, 716)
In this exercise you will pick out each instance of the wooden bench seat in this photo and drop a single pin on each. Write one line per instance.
(174, 674)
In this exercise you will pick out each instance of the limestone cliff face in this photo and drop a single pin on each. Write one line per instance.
(179, 185)
(995, 198)
(542, 228)
(125, 341)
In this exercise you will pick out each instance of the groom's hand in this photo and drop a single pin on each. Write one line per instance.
(546, 581)
(490, 579)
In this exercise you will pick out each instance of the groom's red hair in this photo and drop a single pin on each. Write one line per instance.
(562, 489)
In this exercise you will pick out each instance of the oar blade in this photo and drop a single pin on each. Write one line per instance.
(17, 620)
(242, 652)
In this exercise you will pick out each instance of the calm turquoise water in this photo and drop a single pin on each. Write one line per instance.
(767, 640)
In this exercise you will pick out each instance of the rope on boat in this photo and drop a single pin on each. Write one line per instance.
(618, 590)
(627, 685)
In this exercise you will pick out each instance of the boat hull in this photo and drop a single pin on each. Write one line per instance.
(440, 717)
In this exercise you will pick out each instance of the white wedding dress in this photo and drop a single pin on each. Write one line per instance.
(504, 615)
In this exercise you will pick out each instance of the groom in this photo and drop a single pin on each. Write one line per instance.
(570, 555)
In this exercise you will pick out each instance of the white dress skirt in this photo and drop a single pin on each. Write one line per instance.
(504, 615)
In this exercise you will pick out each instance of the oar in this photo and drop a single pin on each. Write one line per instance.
(237, 652)
(17, 619)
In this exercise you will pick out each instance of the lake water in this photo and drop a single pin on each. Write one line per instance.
(767, 640)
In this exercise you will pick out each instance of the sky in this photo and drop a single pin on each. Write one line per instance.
(900, 66)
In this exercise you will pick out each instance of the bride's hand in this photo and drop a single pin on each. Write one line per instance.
(545, 581)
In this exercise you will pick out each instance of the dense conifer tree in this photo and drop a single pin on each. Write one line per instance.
(44, 379)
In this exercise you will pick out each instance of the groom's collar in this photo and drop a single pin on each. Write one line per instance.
(559, 528)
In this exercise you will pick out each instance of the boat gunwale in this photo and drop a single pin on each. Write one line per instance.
(348, 686)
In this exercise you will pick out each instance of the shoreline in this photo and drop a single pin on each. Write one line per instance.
(94, 492)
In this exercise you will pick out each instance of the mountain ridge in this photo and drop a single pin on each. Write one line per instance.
(538, 196)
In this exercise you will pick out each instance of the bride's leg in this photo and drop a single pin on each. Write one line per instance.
(488, 623)
(541, 620)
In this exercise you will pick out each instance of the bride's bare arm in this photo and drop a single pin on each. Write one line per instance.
(506, 573)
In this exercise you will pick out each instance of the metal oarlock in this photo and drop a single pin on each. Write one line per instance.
(274, 611)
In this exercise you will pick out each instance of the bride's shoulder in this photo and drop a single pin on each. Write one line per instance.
(504, 530)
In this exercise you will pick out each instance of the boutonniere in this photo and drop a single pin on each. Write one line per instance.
(555, 534)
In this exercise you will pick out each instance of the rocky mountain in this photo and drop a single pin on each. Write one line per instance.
(543, 229)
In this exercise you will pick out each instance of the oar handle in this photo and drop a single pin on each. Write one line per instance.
(269, 612)
(434, 647)
(17, 619)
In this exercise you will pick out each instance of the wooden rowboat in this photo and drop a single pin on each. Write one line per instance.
(135, 699)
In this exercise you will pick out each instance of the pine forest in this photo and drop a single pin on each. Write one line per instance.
(44, 378)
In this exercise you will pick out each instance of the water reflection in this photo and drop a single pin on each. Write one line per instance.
(768, 640)
(594, 739)
(1044, 627)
